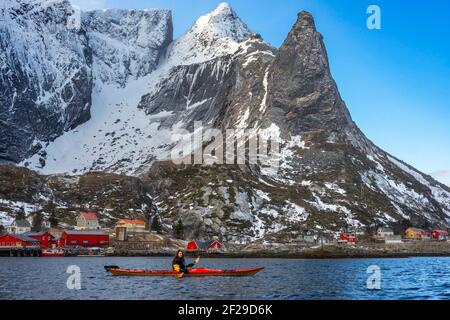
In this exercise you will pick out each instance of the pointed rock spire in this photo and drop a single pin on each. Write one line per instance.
(302, 87)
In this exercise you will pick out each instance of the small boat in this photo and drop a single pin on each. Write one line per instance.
(198, 272)
(52, 253)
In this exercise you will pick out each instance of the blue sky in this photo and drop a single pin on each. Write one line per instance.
(395, 81)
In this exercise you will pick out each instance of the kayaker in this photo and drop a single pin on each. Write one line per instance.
(179, 264)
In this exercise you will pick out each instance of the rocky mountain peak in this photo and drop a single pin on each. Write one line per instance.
(305, 19)
(212, 35)
(302, 88)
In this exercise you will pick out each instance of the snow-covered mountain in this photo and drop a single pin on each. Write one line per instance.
(51, 69)
(143, 87)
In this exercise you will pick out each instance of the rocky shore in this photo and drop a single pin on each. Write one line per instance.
(295, 251)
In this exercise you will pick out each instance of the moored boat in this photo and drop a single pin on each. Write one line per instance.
(52, 253)
(198, 272)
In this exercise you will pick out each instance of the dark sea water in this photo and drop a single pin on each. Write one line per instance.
(45, 278)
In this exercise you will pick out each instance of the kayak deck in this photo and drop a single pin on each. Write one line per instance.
(198, 272)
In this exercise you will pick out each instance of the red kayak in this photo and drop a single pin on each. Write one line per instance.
(198, 272)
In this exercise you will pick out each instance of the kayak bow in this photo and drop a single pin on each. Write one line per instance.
(198, 272)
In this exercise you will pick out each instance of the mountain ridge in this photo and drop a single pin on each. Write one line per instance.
(330, 176)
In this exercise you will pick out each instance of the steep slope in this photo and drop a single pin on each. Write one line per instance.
(45, 76)
(131, 125)
(51, 72)
(126, 44)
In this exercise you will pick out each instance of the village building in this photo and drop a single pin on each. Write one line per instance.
(382, 232)
(309, 236)
(18, 245)
(76, 238)
(417, 234)
(208, 246)
(45, 238)
(19, 227)
(87, 221)
(439, 235)
(392, 239)
(131, 225)
(347, 237)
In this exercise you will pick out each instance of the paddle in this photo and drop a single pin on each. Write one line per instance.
(196, 261)
(107, 268)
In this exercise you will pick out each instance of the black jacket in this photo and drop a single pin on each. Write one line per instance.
(181, 263)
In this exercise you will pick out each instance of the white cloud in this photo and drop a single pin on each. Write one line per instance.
(87, 5)
(442, 176)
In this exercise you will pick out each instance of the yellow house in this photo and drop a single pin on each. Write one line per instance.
(414, 233)
(131, 225)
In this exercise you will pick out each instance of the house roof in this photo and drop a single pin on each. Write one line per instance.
(22, 224)
(387, 229)
(205, 244)
(76, 232)
(124, 221)
(416, 229)
(89, 216)
(41, 233)
(24, 237)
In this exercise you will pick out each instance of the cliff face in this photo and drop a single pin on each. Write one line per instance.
(49, 70)
(146, 87)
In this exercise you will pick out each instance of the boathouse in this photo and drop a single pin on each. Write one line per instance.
(45, 238)
(72, 238)
(19, 245)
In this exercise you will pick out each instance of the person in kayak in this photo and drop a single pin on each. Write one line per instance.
(179, 264)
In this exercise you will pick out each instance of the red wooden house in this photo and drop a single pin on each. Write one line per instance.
(440, 235)
(45, 238)
(347, 237)
(18, 241)
(208, 246)
(71, 238)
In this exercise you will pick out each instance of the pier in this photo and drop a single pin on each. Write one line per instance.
(14, 251)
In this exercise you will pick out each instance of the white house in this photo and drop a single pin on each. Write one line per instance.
(19, 227)
(87, 221)
(382, 232)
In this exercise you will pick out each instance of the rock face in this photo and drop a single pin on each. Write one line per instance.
(330, 176)
(126, 44)
(45, 78)
(49, 70)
